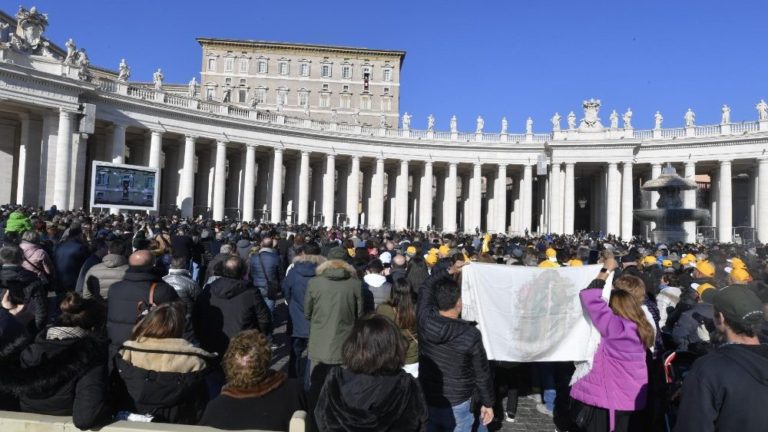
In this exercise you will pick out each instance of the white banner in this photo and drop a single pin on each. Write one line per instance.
(530, 314)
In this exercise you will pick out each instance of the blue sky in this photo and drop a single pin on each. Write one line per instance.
(490, 58)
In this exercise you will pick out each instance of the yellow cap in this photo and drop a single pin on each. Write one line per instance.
(444, 249)
(351, 252)
(737, 263)
(740, 275)
(666, 263)
(431, 259)
(575, 263)
(551, 253)
(649, 260)
(548, 264)
(700, 288)
(706, 268)
(410, 250)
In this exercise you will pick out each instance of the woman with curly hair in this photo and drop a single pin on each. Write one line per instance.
(255, 396)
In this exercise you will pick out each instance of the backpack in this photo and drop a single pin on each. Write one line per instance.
(144, 308)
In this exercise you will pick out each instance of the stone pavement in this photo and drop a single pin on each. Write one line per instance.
(527, 420)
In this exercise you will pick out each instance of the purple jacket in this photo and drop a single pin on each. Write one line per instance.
(619, 377)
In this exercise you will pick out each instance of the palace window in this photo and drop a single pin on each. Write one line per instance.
(282, 97)
(243, 65)
(262, 66)
(242, 95)
(345, 101)
(387, 75)
(365, 102)
(261, 95)
(346, 72)
(304, 69)
(283, 68)
(242, 81)
(228, 82)
(386, 90)
(386, 104)
(212, 64)
(325, 71)
(210, 93)
(303, 98)
(325, 100)
(229, 64)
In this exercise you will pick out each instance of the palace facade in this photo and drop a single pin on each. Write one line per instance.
(223, 153)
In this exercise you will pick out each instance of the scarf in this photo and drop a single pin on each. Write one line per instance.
(62, 333)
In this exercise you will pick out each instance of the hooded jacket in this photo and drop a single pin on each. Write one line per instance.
(618, 379)
(726, 391)
(226, 308)
(359, 402)
(295, 290)
(452, 361)
(17, 223)
(690, 330)
(380, 289)
(36, 259)
(62, 377)
(187, 289)
(100, 277)
(164, 378)
(69, 258)
(332, 304)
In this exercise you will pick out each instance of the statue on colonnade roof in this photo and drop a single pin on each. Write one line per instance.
(30, 25)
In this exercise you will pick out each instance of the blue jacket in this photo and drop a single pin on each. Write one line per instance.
(68, 259)
(271, 260)
(294, 289)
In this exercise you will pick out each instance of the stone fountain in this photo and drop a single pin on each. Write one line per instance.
(670, 215)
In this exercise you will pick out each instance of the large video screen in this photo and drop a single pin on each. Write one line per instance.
(121, 186)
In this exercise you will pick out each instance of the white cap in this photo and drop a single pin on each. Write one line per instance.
(386, 257)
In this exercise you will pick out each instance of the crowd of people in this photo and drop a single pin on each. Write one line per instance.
(163, 319)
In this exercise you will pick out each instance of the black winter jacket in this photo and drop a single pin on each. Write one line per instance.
(123, 299)
(225, 308)
(62, 377)
(34, 289)
(452, 362)
(726, 391)
(170, 397)
(359, 402)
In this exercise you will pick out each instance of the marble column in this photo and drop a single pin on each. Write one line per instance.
(377, 196)
(118, 143)
(569, 200)
(249, 186)
(329, 195)
(155, 150)
(63, 160)
(303, 206)
(500, 199)
(276, 207)
(187, 186)
(613, 207)
(353, 192)
(449, 204)
(762, 200)
(425, 197)
(725, 217)
(627, 201)
(21, 196)
(689, 200)
(555, 200)
(476, 197)
(220, 181)
(526, 191)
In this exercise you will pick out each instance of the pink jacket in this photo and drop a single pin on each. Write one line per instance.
(35, 259)
(619, 377)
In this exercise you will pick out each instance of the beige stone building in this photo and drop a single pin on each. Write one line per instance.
(353, 85)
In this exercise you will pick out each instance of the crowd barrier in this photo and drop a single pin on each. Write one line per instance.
(25, 422)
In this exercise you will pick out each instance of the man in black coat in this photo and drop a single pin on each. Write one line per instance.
(124, 298)
(228, 306)
(69, 258)
(726, 390)
(452, 359)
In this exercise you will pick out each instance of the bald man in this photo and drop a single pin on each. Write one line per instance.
(124, 297)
